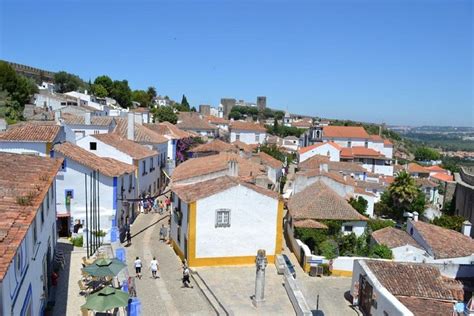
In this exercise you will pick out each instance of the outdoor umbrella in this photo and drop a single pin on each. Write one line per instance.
(105, 267)
(106, 299)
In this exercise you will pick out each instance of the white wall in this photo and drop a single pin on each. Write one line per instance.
(24, 148)
(248, 137)
(408, 253)
(103, 149)
(253, 224)
(344, 142)
(370, 203)
(334, 153)
(81, 131)
(184, 224)
(358, 227)
(30, 258)
(388, 151)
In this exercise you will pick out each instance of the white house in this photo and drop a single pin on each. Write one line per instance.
(403, 289)
(32, 138)
(290, 143)
(124, 150)
(328, 149)
(194, 122)
(86, 99)
(247, 132)
(225, 221)
(27, 232)
(273, 166)
(372, 160)
(115, 184)
(318, 202)
(85, 125)
(53, 101)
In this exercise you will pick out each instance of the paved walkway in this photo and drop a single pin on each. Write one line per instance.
(163, 296)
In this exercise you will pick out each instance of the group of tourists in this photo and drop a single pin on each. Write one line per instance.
(150, 204)
(154, 267)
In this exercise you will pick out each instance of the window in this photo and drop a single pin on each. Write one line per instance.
(92, 146)
(349, 144)
(47, 201)
(144, 167)
(35, 234)
(222, 217)
(366, 144)
(257, 138)
(348, 228)
(69, 194)
(42, 213)
(237, 136)
(130, 183)
(151, 164)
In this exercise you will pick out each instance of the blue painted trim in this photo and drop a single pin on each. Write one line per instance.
(26, 301)
(115, 194)
(51, 153)
(69, 190)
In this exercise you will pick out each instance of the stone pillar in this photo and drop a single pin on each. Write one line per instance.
(261, 264)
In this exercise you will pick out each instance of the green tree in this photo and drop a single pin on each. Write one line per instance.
(329, 249)
(376, 224)
(165, 114)
(121, 93)
(311, 237)
(426, 153)
(66, 82)
(273, 151)
(360, 204)
(105, 82)
(99, 90)
(347, 245)
(453, 222)
(382, 252)
(185, 104)
(142, 97)
(151, 91)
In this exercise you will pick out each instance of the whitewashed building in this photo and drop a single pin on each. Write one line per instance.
(124, 150)
(328, 149)
(115, 184)
(27, 232)
(32, 138)
(225, 221)
(85, 125)
(247, 132)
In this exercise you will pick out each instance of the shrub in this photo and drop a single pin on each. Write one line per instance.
(376, 224)
(382, 252)
(326, 271)
(77, 241)
(329, 249)
(311, 237)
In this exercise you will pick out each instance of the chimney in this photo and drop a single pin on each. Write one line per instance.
(139, 118)
(87, 118)
(57, 116)
(415, 216)
(85, 92)
(131, 126)
(466, 228)
(233, 167)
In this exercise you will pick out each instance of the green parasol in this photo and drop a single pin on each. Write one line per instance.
(105, 267)
(106, 299)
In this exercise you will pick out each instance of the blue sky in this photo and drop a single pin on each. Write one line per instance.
(399, 62)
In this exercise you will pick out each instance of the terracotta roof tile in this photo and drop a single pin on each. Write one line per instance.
(393, 237)
(302, 124)
(215, 145)
(266, 159)
(361, 152)
(143, 134)
(216, 120)
(346, 167)
(344, 132)
(245, 147)
(107, 166)
(308, 148)
(193, 121)
(30, 132)
(211, 164)
(442, 177)
(134, 150)
(415, 280)
(196, 191)
(247, 126)
(436, 169)
(416, 168)
(445, 243)
(319, 202)
(309, 223)
(387, 143)
(21, 175)
(168, 129)
(71, 119)
(425, 182)
(376, 138)
(313, 162)
(423, 307)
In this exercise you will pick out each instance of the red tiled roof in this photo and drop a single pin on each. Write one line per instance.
(393, 237)
(303, 150)
(319, 202)
(196, 191)
(309, 223)
(246, 126)
(416, 168)
(107, 166)
(445, 243)
(21, 176)
(193, 121)
(29, 132)
(424, 307)
(415, 280)
(442, 177)
(313, 162)
(436, 169)
(344, 132)
(245, 147)
(424, 182)
(211, 164)
(143, 134)
(376, 138)
(387, 143)
(302, 124)
(347, 167)
(134, 150)
(72, 119)
(216, 120)
(270, 161)
(361, 152)
(215, 145)
(168, 129)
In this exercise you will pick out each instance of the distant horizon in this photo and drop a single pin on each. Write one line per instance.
(395, 62)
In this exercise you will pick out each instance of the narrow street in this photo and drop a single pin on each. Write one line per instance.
(162, 296)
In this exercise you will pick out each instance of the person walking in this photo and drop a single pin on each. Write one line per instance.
(138, 267)
(154, 268)
(163, 233)
(161, 207)
(186, 281)
(167, 203)
(129, 237)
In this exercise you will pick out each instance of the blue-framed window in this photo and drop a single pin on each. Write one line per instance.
(64, 165)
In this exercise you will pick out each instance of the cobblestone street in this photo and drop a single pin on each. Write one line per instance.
(163, 296)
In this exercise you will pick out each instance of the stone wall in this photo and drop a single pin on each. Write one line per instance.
(464, 195)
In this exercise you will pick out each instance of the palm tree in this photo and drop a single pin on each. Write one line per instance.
(403, 191)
